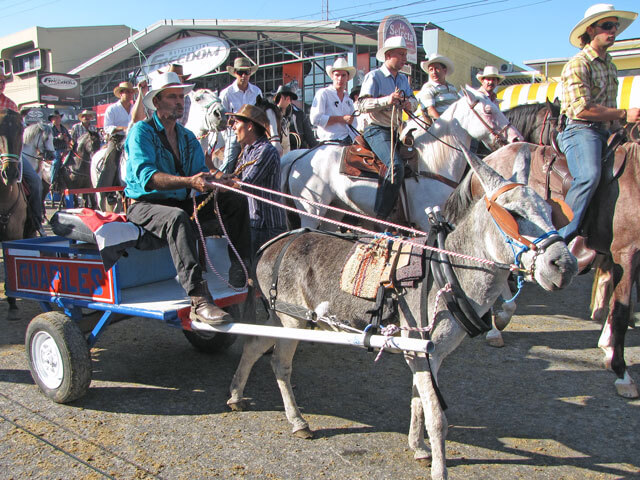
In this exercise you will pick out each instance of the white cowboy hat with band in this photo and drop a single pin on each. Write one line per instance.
(597, 12)
(341, 65)
(490, 72)
(242, 63)
(391, 43)
(162, 82)
(437, 58)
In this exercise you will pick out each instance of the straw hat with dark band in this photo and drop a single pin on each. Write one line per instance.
(121, 87)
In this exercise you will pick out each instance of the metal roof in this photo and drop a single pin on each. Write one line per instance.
(338, 31)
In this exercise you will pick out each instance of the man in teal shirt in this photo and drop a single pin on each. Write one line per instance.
(164, 165)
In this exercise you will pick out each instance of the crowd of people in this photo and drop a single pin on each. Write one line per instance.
(166, 165)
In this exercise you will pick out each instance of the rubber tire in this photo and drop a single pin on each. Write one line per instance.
(72, 350)
(214, 343)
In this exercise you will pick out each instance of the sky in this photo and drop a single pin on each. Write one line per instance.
(516, 30)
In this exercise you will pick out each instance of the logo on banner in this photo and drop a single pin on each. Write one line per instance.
(59, 82)
(197, 55)
(399, 26)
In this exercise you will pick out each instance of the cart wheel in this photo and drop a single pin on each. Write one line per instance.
(209, 343)
(59, 357)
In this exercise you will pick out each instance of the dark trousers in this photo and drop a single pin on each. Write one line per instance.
(170, 220)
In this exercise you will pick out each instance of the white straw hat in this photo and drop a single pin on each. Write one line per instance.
(162, 82)
(490, 72)
(437, 58)
(597, 12)
(391, 43)
(341, 65)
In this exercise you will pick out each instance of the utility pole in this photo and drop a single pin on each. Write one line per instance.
(325, 9)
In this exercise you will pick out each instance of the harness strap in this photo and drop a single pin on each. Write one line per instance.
(273, 291)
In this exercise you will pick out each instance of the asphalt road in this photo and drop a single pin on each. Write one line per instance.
(541, 407)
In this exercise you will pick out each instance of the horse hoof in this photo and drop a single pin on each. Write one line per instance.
(304, 433)
(239, 406)
(501, 320)
(494, 339)
(626, 387)
(423, 457)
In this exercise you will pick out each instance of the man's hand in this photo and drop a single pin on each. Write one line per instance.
(200, 183)
(348, 119)
(396, 97)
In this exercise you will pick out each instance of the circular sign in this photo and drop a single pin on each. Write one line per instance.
(197, 55)
(59, 82)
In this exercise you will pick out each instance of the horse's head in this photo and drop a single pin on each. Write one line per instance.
(518, 228)
(88, 143)
(10, 146)
(483, 120)
(274, 115)
(39, 136)
(214, 112)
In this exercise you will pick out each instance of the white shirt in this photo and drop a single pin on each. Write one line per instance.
(327, 104)
(233, 98)
(116, 116)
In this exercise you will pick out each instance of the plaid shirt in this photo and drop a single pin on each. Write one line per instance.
(588, 80)
(6, 102)
(79, 129)
(260, 165)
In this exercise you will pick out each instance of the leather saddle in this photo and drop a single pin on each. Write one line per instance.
(358, 160)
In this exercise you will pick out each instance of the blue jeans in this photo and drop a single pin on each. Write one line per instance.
(56, 164)
(379, 139)
(583, 146)
(34, 183)
(231, 152)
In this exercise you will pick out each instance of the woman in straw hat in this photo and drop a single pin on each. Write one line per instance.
(437, 94)
(590, 85)
(332, 109)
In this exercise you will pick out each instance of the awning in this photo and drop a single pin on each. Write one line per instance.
(628, 93)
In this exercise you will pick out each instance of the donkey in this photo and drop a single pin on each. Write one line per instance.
(309, 277)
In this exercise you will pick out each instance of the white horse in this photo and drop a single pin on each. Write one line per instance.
(314, 176)
(37, 147)
(207, 119)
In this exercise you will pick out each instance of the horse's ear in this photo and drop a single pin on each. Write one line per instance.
(521, 165)
(488, 177)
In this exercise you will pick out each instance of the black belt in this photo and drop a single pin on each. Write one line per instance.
(601, 125)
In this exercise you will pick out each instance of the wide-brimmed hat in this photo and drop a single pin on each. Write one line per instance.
(341, 65)
(285, 90)
(242, 63)
(253, 113)
(55, 113)
(391, 43)
(355, 91)
(597, 12)
(86, 113)
(437, 58)
(177, 68)
(122, 86)
(490, 72)
(162, 82)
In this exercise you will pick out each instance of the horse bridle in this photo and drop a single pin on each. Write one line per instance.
(499, 135)
(40, 146)
(8, 158)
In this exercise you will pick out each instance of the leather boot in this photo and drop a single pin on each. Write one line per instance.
(584, 255)
(204, 310)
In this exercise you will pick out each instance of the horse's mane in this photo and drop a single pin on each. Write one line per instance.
(266, 105)
(521, 116)
(459, 203)
(32, 130)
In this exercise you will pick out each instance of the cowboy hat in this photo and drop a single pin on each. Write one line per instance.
(162, 82)
(242, 63)
(285, 90)
(355, 91)
(122, 86)
(489, 72)
(252, 113)
(391, 43)
(437, 58)
(85, 113)
(55, 113)
(341, 65)
(177, 68)
(597, 12)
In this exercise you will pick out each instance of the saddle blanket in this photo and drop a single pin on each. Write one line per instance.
(382, 261)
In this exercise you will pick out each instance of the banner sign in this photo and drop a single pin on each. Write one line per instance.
(84, 279)
(58, 88)
(197, 55)
(399, 26)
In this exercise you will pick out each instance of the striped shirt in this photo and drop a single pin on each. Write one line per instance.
(438, 96)
(79, 129)
(260, 165)
(588, 80)
(6, 102)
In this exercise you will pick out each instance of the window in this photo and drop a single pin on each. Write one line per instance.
(27, 62)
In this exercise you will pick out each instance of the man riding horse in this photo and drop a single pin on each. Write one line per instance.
(590, 86)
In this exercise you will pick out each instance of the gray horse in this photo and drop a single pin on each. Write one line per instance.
(310, 277)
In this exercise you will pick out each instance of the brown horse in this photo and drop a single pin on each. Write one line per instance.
(76, 169)
(612, 230)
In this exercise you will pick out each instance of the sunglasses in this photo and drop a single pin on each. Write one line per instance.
(608, 25)
(243, 72)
